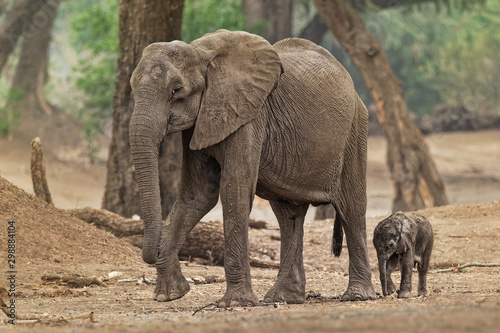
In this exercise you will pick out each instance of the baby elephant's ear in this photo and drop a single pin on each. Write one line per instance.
(242, 70)
(405, 239)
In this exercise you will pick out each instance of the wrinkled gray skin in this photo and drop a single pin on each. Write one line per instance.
(283, 122)
(407, 238)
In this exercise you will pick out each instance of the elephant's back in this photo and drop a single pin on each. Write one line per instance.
(315, 90)
(308, 121)
(313, 65)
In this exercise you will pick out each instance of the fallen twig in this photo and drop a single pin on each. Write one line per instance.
(255, 262)
(208, 279)
(26, 320)
(203, 307)
(72, 280)
(457, 268)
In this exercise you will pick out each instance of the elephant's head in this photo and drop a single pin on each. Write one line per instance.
(215, 84)
(392, 235)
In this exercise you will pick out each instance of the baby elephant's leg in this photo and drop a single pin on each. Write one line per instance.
(423, 267)
(407, 262)
(391, 265)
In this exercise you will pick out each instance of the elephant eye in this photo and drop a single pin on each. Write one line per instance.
(176, 90)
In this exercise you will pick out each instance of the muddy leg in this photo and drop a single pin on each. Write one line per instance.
(406, 266)
(391, 265)
(422, 268)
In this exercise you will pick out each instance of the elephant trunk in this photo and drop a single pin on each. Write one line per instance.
(144, 143)
(382, 264)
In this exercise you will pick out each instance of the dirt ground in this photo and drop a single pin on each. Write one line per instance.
(51, 241)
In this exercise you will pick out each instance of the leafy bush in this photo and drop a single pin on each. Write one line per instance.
(448, 56)
(9, 114)
(202, 16)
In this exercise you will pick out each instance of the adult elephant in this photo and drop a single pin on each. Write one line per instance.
(283, 122)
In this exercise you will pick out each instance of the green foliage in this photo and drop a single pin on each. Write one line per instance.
(467, 65)
(367, 5)
(95, 30)
(442, 56)
(9, 114)
(202, 16)
(94, 33)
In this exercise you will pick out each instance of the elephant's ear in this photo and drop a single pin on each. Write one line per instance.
(405, 239)
(242, 70)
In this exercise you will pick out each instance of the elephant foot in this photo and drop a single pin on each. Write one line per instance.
(422, 293)
(170, 287)
(359, 292)
(391, 288)
(282, 293)
(404, 294)
(236, 297)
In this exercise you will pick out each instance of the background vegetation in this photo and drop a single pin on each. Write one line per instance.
(441, 54)
(448, 55)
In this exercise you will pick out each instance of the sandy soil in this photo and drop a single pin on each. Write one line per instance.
(50, 241)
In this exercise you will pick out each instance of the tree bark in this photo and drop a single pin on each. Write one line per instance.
(324, 212)
(276, 14)
(27, 95)
(17, 21)
(314, 30)
(141, 23)
(38, 174)
(416, 181)
(110, 222)
(205, 241)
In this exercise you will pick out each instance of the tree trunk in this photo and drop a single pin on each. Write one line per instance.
(110, 222)
(205, 241)
(275, 14)
(141, 23)
(416, 181)
(27, 95)
(17, 21)
(314, 30)
(324, 212)
(38, 174)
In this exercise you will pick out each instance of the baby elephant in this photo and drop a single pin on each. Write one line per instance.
(409, 238)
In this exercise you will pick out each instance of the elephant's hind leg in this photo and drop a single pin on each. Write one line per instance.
(291, 282)
(351, 206)
(422, 268)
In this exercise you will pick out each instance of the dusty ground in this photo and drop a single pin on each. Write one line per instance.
(49, 241)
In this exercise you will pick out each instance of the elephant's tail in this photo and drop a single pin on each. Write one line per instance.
(338, 236)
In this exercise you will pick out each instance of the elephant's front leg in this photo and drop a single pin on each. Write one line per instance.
(406, 265)
(237, 190)
(171, 284)
(291, 282)
(392, 262)
(198, 193)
